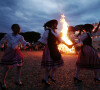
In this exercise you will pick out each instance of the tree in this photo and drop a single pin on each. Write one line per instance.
(28, 36)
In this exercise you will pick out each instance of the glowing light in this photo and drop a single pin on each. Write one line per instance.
(64, 32)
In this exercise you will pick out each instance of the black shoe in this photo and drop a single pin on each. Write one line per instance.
(19, 83)
(77, 80)
(51, 78)
(44, 81)
(96, 79)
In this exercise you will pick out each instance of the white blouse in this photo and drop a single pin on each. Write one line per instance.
(44, 37)
(13, 41)
(83, 37)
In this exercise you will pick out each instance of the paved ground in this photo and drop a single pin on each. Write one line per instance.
(32, 75)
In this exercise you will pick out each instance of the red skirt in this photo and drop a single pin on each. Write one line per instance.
(12, 57)
(88, 60)
(48, 62)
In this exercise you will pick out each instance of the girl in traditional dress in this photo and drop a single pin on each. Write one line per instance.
(88, 57)
(12, 55)
(51, 58)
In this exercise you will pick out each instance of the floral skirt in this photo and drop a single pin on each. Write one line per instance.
(88, 60)
(48, 62)
(12, 57)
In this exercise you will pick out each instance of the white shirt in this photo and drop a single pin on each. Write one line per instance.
(13, 41)
(44, 37)
(83, 37)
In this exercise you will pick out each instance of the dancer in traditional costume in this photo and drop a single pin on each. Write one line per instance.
(12, 55)
(51, 58)
(88, 57)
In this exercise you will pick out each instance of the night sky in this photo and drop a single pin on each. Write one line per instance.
(32, 14)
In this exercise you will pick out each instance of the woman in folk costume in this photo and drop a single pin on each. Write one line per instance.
(12, 55)
(88, 57)
(51, 58)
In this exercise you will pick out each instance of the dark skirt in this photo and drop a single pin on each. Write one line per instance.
(48, 62)
(88, 58)
(11, 58)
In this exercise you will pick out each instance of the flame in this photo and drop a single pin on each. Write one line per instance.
(64, 32)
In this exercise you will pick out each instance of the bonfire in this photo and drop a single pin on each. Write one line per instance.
(64, 31)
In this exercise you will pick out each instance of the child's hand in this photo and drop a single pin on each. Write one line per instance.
(70, 46)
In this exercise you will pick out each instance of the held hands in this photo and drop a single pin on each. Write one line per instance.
(69, 46)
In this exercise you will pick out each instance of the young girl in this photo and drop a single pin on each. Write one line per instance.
(52, 58)
(88, 57)
(12, 55)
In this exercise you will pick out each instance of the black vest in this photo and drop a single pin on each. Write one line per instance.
(52, 45)
(87, 41)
